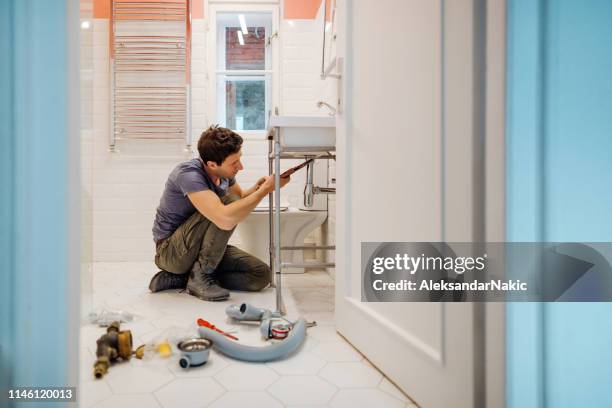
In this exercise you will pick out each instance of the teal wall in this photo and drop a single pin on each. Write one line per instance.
(36, 305)
(559, 168)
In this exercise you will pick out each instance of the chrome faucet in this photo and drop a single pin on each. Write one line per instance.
(332, 110)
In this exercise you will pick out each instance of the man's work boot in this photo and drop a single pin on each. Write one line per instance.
(203, 285)
(167, 280)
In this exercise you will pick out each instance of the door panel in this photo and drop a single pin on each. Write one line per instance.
(406, 147)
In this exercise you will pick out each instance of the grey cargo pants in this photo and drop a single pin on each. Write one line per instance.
(200, 240)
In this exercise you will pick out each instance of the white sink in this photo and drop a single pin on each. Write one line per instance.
(311, 133)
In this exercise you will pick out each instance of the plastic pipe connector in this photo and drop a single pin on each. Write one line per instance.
(243, 352)
(246, 312)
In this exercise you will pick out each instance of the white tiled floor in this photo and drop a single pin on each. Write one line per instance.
(325, 371)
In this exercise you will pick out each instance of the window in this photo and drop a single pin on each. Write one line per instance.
(244, 75)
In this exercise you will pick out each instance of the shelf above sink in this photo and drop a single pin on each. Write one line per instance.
(305, 133)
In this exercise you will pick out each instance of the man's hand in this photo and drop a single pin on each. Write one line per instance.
(260, 181)
(268, 183)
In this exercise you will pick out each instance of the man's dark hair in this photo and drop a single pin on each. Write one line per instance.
(216, 143)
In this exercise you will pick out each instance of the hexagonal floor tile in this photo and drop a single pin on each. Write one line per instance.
(336, 351)
(351, 374)
(240, 399)
(246, 377)
(302, 390)
(189, 392)
(301, 295)
(364, 397)
(301, 363)
(137, 376)
(324, 332)
(92, 392)
(138, 327)
(388, 387)
(129, 401)
(326, 318)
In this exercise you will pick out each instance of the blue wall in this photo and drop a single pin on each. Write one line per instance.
(559, 158)
(35, 203)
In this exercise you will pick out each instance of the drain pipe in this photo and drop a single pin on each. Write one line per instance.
(309, 187)
(250, 313)
(243, 352)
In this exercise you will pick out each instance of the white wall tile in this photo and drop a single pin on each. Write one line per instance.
(126, 185)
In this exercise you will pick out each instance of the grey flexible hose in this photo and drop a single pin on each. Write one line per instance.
(243, 352)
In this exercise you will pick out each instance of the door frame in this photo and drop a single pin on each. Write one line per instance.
(41, 195)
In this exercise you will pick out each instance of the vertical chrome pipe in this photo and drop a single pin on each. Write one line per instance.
(270, 215)
(309, 187)
(277, 237)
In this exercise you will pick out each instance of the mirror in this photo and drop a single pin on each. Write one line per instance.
(329, 35)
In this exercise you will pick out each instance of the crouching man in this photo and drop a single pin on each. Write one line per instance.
(201, 205)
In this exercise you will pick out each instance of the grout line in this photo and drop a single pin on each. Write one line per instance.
(221, 395)
(157, 399)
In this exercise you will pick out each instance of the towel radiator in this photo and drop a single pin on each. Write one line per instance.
(150, 47)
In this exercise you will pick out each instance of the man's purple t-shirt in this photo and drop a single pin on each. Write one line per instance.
(174, 205)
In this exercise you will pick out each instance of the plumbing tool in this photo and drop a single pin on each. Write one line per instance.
(111, 346)
(292, 170)
(194, 352)
(204, 323)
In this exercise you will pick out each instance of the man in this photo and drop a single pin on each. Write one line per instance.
(201, 205)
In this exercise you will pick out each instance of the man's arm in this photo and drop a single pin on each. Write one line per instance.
(236, 189)
(228, 216)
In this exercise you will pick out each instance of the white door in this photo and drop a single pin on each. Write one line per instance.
(408, 170)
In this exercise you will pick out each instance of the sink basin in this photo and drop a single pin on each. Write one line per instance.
(305, 133)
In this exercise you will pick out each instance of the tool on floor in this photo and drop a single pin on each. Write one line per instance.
(292, 170)
(194, 352)
(204, 323)
(115, 344)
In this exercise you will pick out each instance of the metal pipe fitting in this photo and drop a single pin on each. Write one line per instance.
(324, 190)
(194, 352)
(110, 346)
(309, 187)
(332, 110)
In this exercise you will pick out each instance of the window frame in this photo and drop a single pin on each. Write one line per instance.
(216, 105)
(221, 100)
